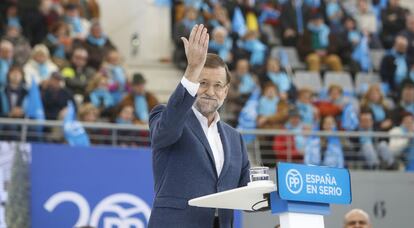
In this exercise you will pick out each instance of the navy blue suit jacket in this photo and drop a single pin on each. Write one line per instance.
(184, 168)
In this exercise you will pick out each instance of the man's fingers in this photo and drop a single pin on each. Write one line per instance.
(203, 36)
(198, 34)
(192, 34)
(185, 42)
(205, 45)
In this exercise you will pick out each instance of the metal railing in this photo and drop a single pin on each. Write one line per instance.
(265, 147)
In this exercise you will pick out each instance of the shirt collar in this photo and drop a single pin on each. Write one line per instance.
(203, 120)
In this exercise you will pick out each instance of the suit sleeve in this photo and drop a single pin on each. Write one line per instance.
(245, 174)
(167, 122)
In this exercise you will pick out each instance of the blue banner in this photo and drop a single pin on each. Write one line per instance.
(319, 184)
(96, 186)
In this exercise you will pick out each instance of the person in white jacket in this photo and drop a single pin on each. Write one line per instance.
(40, 66)
(403, 146)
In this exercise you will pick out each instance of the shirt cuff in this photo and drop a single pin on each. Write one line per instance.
(191, 87)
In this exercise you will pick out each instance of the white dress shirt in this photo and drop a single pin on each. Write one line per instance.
(211, 132)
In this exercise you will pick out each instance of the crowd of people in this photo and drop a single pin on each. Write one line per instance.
(60, 48)
(328, 35)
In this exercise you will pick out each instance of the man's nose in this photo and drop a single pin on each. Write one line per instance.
(210, 91)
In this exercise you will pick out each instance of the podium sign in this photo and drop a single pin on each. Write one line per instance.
(317, 184)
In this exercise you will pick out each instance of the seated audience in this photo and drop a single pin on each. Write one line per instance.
(39, 67)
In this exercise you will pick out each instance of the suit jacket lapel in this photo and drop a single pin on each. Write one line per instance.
(226, 149)
(198, 131)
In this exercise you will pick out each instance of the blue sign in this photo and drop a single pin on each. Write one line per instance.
(96, 186)
(319, 184)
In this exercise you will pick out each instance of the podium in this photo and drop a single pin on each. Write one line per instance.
(301, 195)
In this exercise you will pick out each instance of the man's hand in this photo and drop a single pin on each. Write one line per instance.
(196, 51)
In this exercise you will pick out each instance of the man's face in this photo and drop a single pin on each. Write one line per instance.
(357, 220)
(80, 58)
(213, 90)
(401, 44)
(242, 67)
(139, 89)
(366, 121)
(6, 52)
(96, 31)
(410, 23)
(407, 95)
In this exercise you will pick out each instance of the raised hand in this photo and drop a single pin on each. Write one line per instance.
(196, 51)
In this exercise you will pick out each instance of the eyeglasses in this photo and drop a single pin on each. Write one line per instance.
(218, 87)
(361, 222)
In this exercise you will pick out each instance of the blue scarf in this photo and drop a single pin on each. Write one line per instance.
(248, 115)
(4, 69)
(247, 84)
(322, 32)
(14, 22)
(305, 112)
(119, 77)
(313, 3)
(378, 111)
(268, 106)
(349, 118)
(299, 16)
(402, 68)
(257, 50)
(334, 156)
(268, 14)
(312, 151)
(43, 70)
(223, 50)
(361, 54)
(122, 121)
(354, 36)
(409, 108)
(281, 80)
(99, 95)
(300, 140)
(365, 139)
(76, 24)
(141, 108)
(60, 48)
(100, 42)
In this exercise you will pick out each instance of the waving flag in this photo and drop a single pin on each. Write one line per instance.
(361, 55)
(73, 130)
(248, 115)
(34, 106)
(238, 22)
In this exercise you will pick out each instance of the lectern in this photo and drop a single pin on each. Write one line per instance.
(301, 196)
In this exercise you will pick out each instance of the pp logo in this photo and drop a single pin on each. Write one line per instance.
(294, 181)
(112, 210)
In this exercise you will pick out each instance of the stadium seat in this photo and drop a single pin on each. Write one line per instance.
(343, 79)
(293, 57)
(363, 80)
(308, 79)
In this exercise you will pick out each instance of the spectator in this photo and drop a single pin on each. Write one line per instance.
(256, 49)
(99, 94)
(90, 114)
(393, 19)
(374, 101)
(272, 111)
(117, 75)
(39, 67)
(55, 96)
(331, 145)
(334, 103)
(318, 45)
(294, 18)
(305, 107)
(372, 149)
(79, 26)
(221, 44)
(21, 45)
(220, 18)
(6, 60)
(126, 116)
(394, 65)
(77, 74)
(13, 94)
(335, 15)
(140, 99)
(357, 218)
(279, 78)
(404, 147)
(406, 102)
(367, 21)
(97, 44)
(12, 16)
(58, 41)
(408, 33)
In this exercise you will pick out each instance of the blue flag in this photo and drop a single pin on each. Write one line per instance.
(361, 54)
(33, 105)
(349, 118)
(73, 130)
(248, 115)
(238, 22)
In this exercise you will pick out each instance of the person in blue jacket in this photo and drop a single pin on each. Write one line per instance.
(194, 152)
